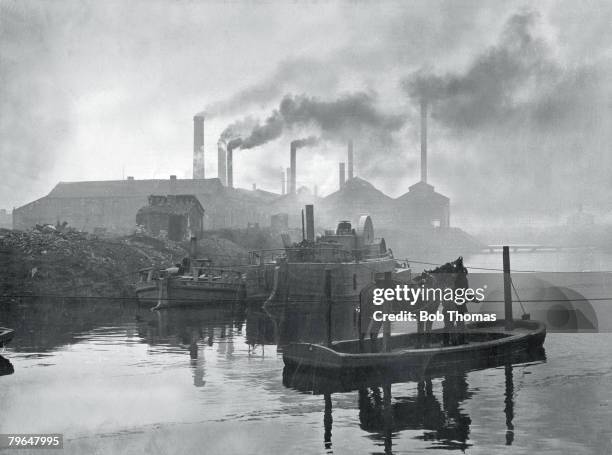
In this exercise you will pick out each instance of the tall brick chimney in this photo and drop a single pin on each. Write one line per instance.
(350, 159)
(310, 235)
(341, 175)
(282, 176)
(230, 167)
(423, 141)
(292, 182)
(172, 185)
(198, 147)
(221, 163)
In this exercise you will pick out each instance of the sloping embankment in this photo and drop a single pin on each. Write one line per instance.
(45, 261)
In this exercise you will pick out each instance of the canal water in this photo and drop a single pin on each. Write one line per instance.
(115, 377)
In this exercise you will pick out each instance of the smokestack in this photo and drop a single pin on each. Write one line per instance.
(230, 167)
(172, 186)
(221, 163)
(310, 223)
(234, 143)
(341, 175)
(193, 247)
(198, 147)
(350, 159)
(282, 176)
(423, 140)
(254, 186)
(292, 182)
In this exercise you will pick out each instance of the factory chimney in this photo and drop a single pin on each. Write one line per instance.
(234, 143)
(230, 167)
(221, 163)
(198, 147)
(310, 236)
(341, 175)
(350, 159)
(282, 176)
(424, 141)
(292, 182)
(172, 185)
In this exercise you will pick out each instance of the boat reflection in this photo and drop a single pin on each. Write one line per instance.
(6, 367)
(442, 420)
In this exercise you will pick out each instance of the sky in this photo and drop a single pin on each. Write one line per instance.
(520, 96)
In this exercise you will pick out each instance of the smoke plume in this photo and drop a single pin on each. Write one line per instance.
(338, 120)
(234, 143)
(291, 74)
(309, 141)
(497, 84)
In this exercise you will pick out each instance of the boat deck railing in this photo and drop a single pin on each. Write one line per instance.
(313, 253)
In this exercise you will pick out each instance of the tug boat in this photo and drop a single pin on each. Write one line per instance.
(6, 335)
(146, 286)
(484, 340)
(201, 283)
(349, 257)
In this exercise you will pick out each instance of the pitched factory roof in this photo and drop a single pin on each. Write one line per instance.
(133, 188)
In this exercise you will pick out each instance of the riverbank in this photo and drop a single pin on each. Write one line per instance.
(50, 261)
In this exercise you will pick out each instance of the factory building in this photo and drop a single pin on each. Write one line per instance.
(112, 205)
(421, 207)
(357, 197)
(180, 216)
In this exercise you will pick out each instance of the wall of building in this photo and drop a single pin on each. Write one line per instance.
(116, 214)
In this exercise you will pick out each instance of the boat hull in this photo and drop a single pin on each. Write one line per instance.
(303, 282)
(6, 335)
(147, 293)
(485, 341)
(176, 293)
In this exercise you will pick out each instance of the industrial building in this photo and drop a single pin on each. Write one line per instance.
(112, 205)
(180, 216)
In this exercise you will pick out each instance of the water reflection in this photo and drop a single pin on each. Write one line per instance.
(6, 367)
(207, 367)
(43, 325)
(441, 417)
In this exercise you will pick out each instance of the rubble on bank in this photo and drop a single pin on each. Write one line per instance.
(61, 261)
(52, 261)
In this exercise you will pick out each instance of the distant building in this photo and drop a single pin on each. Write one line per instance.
(180, 216)
(113, 204)
(422, 207)
(357, 197)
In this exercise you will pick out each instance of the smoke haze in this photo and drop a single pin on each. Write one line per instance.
(520, 95)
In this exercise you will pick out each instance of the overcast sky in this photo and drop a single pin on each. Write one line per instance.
(521, 114)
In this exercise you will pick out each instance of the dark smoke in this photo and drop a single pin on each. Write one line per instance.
(234, 143)
(260, 134)
(494, 85)
(309, 141)
(338, 119)
(240, 128)
(348, 113)
(303, 73)
(529, 121)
